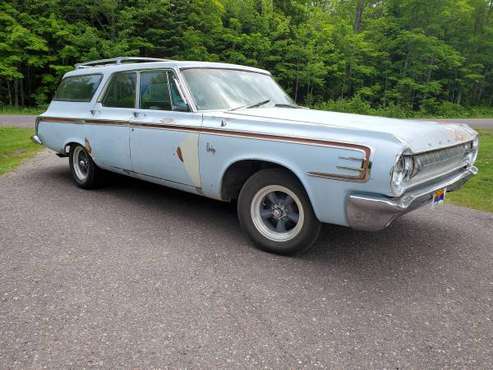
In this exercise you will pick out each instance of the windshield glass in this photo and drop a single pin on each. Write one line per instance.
(232, 89)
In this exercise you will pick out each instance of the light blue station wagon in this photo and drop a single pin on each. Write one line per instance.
(230, 132)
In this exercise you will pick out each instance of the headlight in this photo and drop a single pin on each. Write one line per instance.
(401, 173)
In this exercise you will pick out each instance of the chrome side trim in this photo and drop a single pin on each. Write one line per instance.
(366, 151)
(376, 212)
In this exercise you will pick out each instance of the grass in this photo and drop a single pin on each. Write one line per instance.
(8, 109)
(15, 147)
(478, 192)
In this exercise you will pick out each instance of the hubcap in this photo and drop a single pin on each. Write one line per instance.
(277, 213)
(81, 163)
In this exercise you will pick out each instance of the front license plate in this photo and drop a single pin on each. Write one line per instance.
(438, 197)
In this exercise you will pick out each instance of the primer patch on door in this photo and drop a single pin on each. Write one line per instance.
(189, 149)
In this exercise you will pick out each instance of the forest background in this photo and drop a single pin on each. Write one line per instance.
(402, 58)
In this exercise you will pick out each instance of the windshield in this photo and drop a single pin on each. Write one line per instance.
(233, 89)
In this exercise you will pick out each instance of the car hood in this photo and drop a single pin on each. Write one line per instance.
(419, 136)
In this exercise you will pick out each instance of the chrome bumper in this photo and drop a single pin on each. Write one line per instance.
(35, 139)
(376, 212)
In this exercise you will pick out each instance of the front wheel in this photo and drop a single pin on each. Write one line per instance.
(275, 212)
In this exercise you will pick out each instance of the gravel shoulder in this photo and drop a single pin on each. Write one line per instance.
(137, 275)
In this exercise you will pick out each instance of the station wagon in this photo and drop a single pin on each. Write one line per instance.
(231, 133)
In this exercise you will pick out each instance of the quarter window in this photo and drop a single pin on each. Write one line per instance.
(121, 91)
(78, 88)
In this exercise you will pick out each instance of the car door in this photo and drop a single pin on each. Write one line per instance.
(111, 116)
(164, 133)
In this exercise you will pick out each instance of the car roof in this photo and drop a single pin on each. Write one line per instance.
(110, 68)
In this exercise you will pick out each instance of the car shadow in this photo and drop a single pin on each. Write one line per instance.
(414, 240)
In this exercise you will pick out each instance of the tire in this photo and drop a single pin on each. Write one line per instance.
(85, 173)
(276, 214)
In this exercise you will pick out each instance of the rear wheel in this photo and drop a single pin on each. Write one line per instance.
(84, 171)
(275, 212)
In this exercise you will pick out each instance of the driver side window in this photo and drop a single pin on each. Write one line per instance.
(158, 91)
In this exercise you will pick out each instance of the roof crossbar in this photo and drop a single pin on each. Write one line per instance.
(118, 60)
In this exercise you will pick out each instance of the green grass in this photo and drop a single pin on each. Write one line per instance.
(15, 147)
(478, 192)
(8, 109)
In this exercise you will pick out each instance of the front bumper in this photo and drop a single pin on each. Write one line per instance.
(376, 212)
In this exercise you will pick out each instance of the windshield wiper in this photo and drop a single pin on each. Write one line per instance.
(281, 105)
(252, 105)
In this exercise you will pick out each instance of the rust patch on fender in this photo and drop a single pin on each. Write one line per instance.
(87, 146)
(179, 154)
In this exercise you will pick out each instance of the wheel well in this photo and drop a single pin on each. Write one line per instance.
(66, 148)
(239, 172)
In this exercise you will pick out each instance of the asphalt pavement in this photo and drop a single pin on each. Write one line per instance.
(135, 275)
(17, 120)
(28, 121)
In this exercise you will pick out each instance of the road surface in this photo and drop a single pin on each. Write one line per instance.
(137, 275)
(28, 121)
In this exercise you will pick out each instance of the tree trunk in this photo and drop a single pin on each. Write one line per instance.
(16, 92)
(22, 91)
(297, 84)
(358, 17)
(9, 89)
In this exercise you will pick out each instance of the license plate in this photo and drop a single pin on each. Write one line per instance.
(438, 197)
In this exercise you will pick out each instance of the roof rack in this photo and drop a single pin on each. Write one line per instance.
(118, 60)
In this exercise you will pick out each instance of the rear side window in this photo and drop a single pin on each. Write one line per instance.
(121, 90)
(78, 88)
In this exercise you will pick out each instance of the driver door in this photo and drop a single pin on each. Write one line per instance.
(163, 132)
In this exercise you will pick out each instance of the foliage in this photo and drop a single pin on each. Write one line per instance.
(15, 147)
(443, 109)
(9, 109)
(477, 192)
(396, 56)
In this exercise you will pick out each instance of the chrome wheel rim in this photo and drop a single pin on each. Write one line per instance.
(81, 163)
(277, 213)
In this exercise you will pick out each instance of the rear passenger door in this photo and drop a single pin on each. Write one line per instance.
(110, 121)
(164, 133)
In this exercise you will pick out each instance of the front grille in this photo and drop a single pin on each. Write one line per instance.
(439, 162)
(436, 157)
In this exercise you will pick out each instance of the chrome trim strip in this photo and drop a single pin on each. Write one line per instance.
(366, 151)
(332, 176)
(351, 159)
